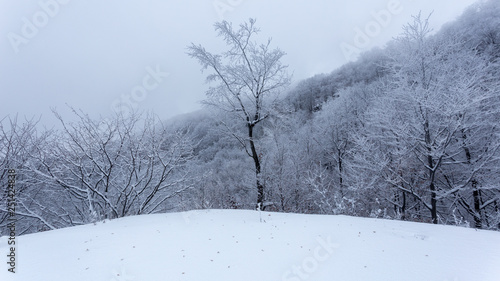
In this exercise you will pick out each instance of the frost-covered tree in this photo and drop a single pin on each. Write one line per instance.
(290, 152)
(337, 127)
(113, 168)
(246, 80)
(17, 141)
(421, 128)
(478, 28)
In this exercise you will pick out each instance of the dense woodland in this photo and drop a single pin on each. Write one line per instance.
(408, 132)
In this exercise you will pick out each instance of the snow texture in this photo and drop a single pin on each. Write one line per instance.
(234, 245)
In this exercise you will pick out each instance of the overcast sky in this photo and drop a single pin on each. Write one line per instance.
(99, 55)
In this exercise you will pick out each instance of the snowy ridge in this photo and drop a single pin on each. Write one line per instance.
(234, 245)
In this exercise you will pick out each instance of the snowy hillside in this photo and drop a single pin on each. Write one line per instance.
(235, 245)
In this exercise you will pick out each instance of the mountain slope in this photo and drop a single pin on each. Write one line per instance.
(235, 245)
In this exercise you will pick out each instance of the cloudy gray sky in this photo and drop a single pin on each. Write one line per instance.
(100, 55)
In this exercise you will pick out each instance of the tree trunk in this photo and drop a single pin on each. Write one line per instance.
(256, 160)
(432, 173)
(433, 201)
(475, 192)
(477, 206)
(400, 208)
(403, 207)
(341, 179)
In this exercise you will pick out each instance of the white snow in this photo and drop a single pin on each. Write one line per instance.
(234, 245)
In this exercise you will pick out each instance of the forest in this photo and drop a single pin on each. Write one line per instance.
(408, 132)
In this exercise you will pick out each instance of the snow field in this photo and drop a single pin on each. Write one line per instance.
(235, 245)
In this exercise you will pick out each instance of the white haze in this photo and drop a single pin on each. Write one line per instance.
(91, 54)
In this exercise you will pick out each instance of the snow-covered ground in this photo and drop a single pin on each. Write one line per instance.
(229, 245)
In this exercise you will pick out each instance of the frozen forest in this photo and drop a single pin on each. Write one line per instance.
(408, 132)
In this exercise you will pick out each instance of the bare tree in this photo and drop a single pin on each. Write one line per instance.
(247, 76)
(17, 141)
(117, 168)
(422, 126)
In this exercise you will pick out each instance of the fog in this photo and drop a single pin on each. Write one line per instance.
(99, 56)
